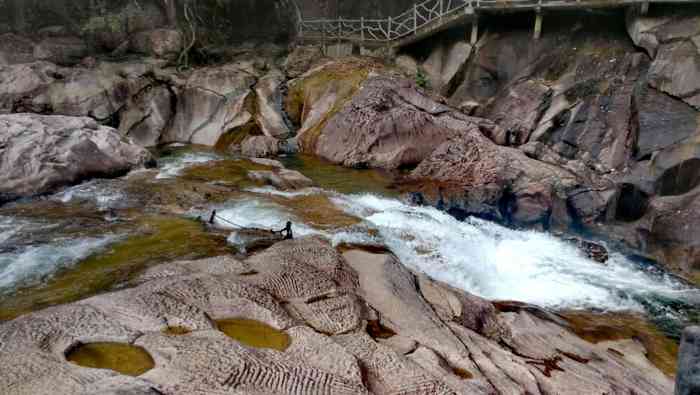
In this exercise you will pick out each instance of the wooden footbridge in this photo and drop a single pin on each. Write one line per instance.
(431, 16)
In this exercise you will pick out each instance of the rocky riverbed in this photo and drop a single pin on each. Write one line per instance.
(512, 216)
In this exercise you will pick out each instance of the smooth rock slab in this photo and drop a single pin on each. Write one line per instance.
(39, 154)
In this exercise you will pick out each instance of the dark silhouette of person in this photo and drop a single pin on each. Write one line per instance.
(288, 229)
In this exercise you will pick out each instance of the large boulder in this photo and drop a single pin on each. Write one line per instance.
(147, 115)
(15, 49)
(39, 154)
(211, 102)
(99, 92)
(65, 51)
(159, 43)
(390, 124)
(477, 177)
(260, 147)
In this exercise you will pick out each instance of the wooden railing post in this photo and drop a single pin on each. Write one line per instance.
(362, 29)
(340, 29)
(388, 30)
(415, 18)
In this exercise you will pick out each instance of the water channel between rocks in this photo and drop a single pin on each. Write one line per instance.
(96, 236)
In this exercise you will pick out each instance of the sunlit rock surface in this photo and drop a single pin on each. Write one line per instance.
(301, 313)
(42, 153)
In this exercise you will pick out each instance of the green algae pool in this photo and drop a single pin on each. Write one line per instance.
(160, 239)
(254, 333)
(119, 357)
(342, 179)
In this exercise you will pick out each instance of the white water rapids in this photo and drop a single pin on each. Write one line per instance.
(480, 257)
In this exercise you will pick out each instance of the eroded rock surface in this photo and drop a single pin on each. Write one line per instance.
(447, 342)
(390, 124)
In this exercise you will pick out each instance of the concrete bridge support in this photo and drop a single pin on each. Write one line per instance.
(538, 25)
(475, 31)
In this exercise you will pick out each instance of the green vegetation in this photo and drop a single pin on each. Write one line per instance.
(422, 79)
(160, 239)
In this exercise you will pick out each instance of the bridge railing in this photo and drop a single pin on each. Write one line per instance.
(425, 13)
(383, 30)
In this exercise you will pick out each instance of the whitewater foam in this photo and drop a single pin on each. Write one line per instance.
(504, 264)
(29, 265)
(172, 166)
(104, 195)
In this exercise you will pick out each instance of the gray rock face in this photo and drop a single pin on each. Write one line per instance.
(15, 49)
(688, 377)
(212, 101)
(147, 115)
(270, 115)
(446, 64)
(260, 147)
(41, 153)
(159, 43)
(65, 51)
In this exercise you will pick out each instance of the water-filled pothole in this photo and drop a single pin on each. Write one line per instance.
(254, 333)
(119, 357)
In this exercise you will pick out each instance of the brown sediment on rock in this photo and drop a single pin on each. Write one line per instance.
(597, 328)
(177, 330)
(122, 358)
(378, 331)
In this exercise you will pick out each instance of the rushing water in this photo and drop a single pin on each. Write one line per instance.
(480, 257)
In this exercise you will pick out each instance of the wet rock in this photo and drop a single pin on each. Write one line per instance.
(42, 153)
(688, 377)
(248, 240)
(594, 251)
(159, 43)
(284, 179)
(390, 124)
(260, 147)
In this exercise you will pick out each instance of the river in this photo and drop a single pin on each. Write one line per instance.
(96, 236)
